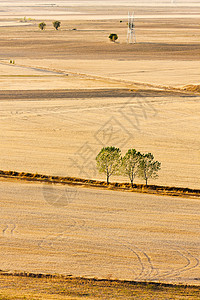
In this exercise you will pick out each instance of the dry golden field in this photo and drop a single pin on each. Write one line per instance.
(67, 94)
(49, 132)
(35, 286)
(97, 233)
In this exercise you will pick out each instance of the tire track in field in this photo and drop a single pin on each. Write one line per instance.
(13, 228)
(192, 262)
(137, 255)
(149, 270)
(8, 229)
(145, 262)
(4, 229)
(173, 271)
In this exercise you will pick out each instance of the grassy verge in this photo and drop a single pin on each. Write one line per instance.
(41, 286)
(138, 188)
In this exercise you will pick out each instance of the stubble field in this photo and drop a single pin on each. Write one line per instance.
(67, 94)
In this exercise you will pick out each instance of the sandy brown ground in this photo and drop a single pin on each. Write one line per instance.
(104, 234)
(59, 132)
(61, 135)
(67, 95)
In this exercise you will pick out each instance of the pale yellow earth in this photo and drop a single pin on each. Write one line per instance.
(167, 73)
(63, 136)
(63, 96)
(103, 234)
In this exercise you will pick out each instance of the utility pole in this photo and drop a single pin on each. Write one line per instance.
(131, 29)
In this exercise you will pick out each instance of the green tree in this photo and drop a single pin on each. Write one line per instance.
(56, 24)
(130, 163)
(42, 25)
(109, 161)
(148, 167)
(113, 37)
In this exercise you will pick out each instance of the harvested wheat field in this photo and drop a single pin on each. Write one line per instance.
(60, 132)
(105, 234)
(66, 88)
(65, 94)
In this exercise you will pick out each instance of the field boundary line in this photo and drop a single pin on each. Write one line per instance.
(127, 83)
(115, 186)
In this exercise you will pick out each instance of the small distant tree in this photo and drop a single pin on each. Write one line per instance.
(42, 25)
(109, 161)
(130, 163)
(148, 167)
(56, 24)
(113, 37)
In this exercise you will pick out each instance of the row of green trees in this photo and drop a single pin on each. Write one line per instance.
(56, 25)
(132, 164)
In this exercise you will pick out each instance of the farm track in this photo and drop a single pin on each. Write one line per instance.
(90, 93)
(127, 89)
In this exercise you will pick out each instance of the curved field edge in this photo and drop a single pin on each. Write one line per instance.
(138, 188)
(47, 286)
